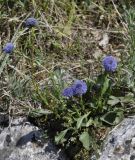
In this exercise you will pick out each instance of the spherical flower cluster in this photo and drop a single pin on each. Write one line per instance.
(8, 48)
(68, 92)
(31, 22)
(78, 88)
(109, 63)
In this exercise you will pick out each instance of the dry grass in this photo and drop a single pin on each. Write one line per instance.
(71, 36)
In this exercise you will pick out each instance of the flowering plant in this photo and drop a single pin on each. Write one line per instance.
(109, 63)
(82, 106)
(31, 22)
(8, 48)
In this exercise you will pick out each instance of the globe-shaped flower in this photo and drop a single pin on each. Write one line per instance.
(79, 87)
(109, 63)
(8, 48)
(31, 22)
(68, 92)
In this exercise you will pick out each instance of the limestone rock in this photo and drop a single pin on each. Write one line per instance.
(23, 141)
(120, 143)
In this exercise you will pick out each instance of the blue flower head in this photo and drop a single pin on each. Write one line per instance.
(31, 22)
(68, 92)
(8, 48)
(109, 63)
(79, 87)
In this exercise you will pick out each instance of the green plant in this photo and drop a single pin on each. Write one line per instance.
(67, 36)
(74, 119)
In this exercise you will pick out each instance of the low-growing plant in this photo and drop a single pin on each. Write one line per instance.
(79, 110)
(72, 113)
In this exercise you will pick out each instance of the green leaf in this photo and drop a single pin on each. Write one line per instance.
(119, 117)
(113, 101)
(80, 120)
(39, 112)
(60, 137)
(105, 86)
(129, 98)
(113, 117)
(89, 123)
(85, 139)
